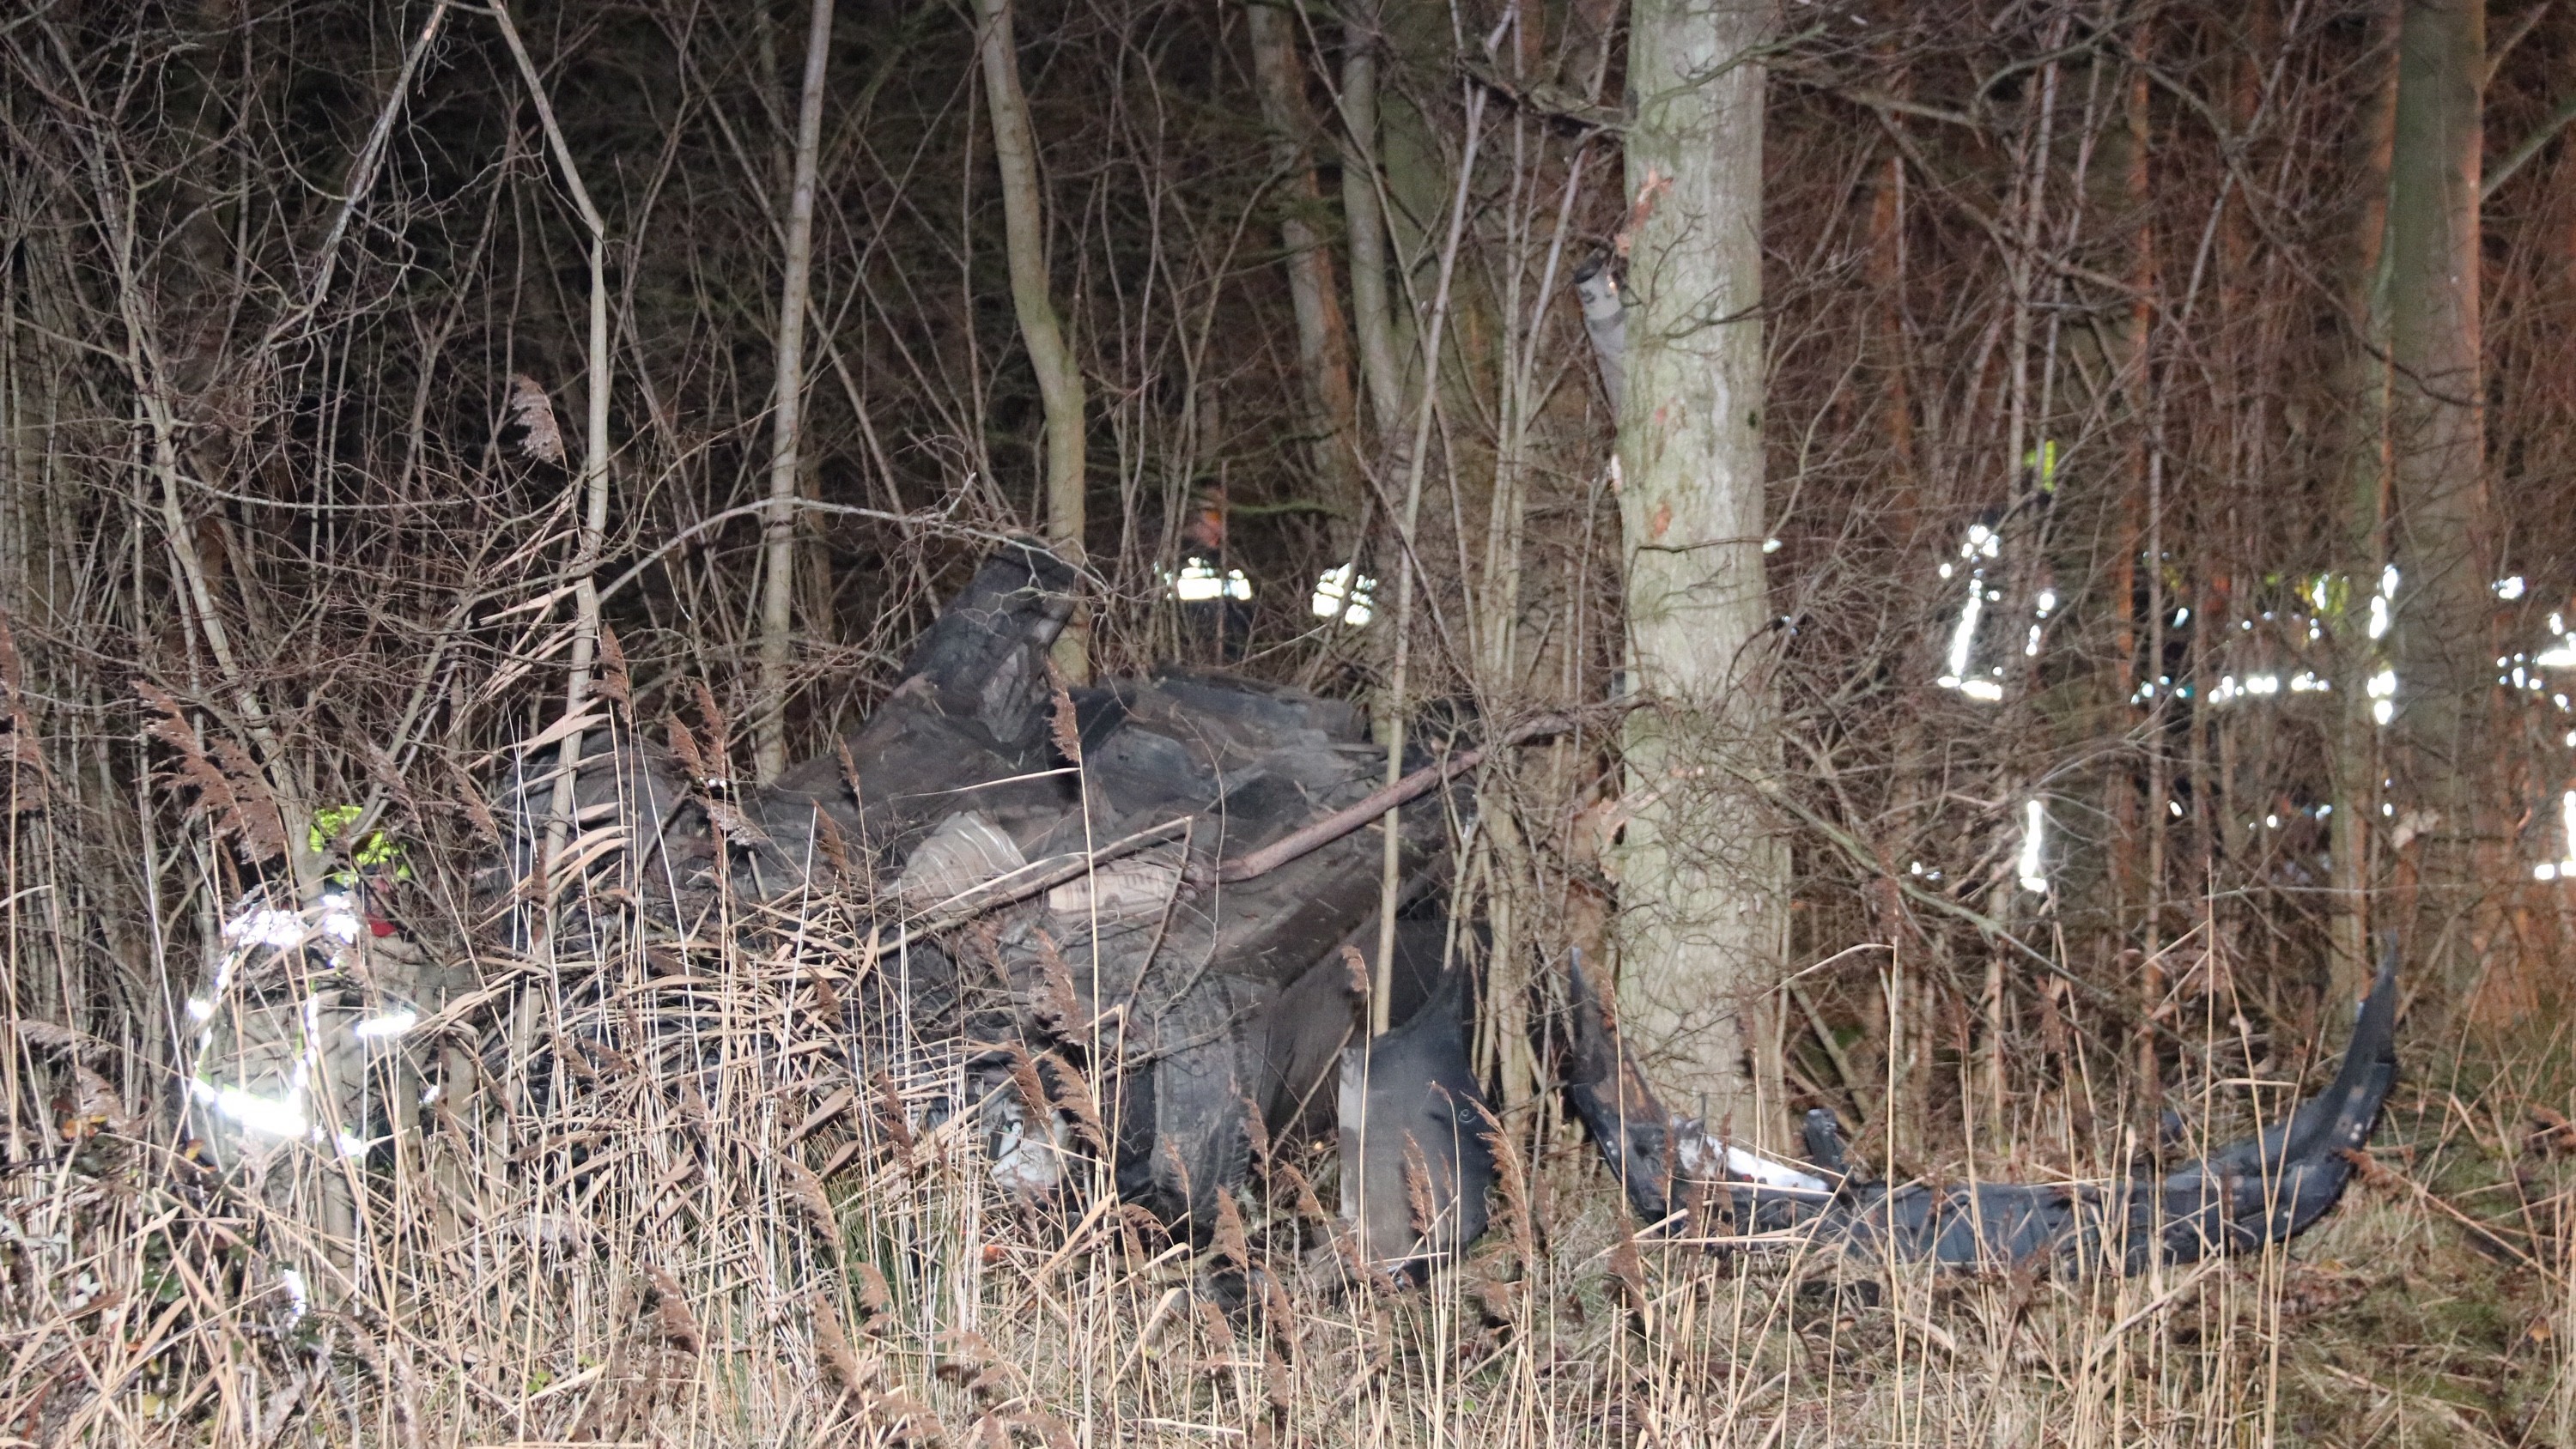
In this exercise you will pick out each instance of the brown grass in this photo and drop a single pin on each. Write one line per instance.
(663, 1199)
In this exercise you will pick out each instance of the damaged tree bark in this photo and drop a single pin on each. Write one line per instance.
(1702, 883)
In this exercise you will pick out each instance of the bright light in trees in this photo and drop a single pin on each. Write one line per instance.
(2034, 827)
(1334, 597)
(1198, 582)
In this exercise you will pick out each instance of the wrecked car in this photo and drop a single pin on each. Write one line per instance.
(1148, 911)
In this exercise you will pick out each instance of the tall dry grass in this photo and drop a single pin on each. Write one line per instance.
(689, 1193)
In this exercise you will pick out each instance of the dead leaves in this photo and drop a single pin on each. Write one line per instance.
(1517, 1217)
(1064, 727)
(890, 1113)
(1630, 1274)
(1220, 1337)
(1230, 1244)
(1072, 1096)
(1301, 1193)
(906, 1419)
(1419, 1203)
(960, 1357)
(88, 1107)
(231, 791)
(1031, 1092)
(875, 1300)
(672, 1318)
(964, 1357)
(1045, 1430)
(533, 413)
(805, 1189)
(636, 1377)
(1054, 1007)
(840, 1362)
(615, 683)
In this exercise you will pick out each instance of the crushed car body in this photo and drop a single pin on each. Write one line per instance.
(1148, 911)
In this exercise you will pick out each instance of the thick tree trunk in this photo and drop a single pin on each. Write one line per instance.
(1702, 879)
(1050, 354)
(2354, 760)
(2444, 528)
(1323, 339)
(778, 568)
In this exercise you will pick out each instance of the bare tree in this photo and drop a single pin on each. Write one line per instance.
(1323, 338)
(1041, 330)
(593, 479)
(1365, 220)
(2445, 540)
(778, 564)
(1702, 884)
(2354, 759)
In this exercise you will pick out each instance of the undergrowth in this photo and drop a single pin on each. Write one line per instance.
(672, 1197)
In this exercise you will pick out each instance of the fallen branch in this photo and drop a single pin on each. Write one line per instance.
(1412, 787)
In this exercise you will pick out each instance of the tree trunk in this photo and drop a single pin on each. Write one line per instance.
(2444, 526)
(1702, 878)
(1323, 340)
(778, 568)
(25, 552)
(2354, 761)
(2138, 368)
(1050, 355)
(1408, 562)
(593, 480)
(1417, 56)
(1371, 315)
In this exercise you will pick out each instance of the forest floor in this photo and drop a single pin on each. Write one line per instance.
(756, 1252)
